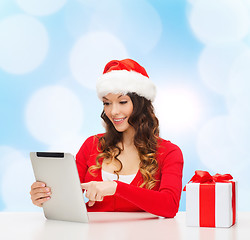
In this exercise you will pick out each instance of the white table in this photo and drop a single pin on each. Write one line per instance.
(116, 226)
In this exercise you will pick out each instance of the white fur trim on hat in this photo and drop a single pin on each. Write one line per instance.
(123, 81)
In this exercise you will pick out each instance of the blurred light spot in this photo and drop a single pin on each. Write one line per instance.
(179, 109)
(91, 53)
(41, 7)
(54, 114)
(240, 75)
(23, 44)
(219, 21)
(215, 64)
(89, 16)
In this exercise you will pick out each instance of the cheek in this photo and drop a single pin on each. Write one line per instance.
(105, 109)
(130, 109)
(107, 113)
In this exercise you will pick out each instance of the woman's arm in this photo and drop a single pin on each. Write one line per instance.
(164, 202)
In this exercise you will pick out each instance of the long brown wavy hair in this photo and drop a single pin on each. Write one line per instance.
(146, 126)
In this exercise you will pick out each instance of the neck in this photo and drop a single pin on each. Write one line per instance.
(128, 137)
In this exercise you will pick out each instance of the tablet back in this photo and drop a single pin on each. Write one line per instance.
(59, 172)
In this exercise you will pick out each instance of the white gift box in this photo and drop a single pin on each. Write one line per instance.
(211, 204)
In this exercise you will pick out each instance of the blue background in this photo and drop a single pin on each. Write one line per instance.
(51, 54)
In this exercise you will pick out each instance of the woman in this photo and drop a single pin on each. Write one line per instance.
(129, 168)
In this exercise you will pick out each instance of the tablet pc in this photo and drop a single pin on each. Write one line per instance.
(59, 172)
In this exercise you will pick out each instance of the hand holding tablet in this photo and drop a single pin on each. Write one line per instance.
(40, 193)
(59, 172)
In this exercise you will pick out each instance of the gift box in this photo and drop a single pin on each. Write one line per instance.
(211, 200)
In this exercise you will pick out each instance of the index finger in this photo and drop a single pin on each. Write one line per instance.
(38, 184)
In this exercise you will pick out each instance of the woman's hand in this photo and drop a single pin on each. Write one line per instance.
(96, 191)
(39, 193)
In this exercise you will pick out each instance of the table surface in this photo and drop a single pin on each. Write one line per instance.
(117, 226)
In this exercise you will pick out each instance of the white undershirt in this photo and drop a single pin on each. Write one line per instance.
(106, 176)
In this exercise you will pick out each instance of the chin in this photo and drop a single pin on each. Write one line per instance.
(120, 130)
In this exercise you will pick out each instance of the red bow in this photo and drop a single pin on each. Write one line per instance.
(205, 177)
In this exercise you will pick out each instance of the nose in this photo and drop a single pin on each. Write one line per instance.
(115, 110)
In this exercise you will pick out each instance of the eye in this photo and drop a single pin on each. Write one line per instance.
(106, 103)
(123, 102)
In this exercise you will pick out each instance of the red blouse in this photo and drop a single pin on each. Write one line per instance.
(162, 200)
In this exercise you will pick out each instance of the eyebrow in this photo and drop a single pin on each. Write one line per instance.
(108, 99)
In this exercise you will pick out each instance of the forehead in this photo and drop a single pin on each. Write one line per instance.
(114, 96)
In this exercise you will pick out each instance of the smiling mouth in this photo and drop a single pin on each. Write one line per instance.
(117, 120)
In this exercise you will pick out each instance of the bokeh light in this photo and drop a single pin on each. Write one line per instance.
(215, 65)
(90, 54)
(239, 83)
(54, 114)
(179, 109)
(41, 7)
(24, 44)
(219, 21)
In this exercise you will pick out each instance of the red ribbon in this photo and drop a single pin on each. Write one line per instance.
(205, 177)
(207, 195)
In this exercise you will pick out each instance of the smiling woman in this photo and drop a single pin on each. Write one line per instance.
(118, 109)
(144, 171)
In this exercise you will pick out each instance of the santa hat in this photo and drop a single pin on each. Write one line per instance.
(123, 77)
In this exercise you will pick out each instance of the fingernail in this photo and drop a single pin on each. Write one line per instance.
(48, 193)
(47, 189)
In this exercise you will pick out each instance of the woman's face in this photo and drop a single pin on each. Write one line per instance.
(118, 109)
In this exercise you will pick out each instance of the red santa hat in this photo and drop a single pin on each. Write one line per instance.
(123, 77)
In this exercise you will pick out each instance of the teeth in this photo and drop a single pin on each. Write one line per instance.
(118, 120)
